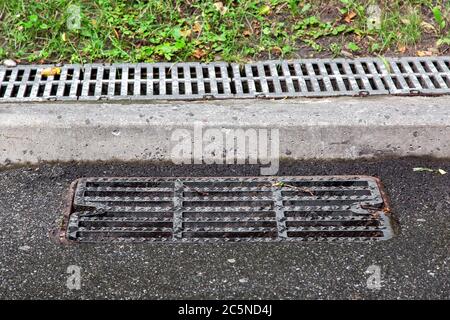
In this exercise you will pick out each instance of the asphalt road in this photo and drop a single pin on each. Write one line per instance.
(414, 265)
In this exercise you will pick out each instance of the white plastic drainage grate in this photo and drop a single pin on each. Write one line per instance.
(155, 81)
(25, 83)
(420, 75)
(197, 81)
(313, 78)
(343, 77)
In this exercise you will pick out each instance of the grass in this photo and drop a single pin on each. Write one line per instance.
(239, 30)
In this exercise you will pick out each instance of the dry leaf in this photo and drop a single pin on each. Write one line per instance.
(199, 53)
(428, 27)
(401, 48)
(347, 54)
(9, 63)
(404, 21)
(422, 53)
(220, 7)
(197, 27)
(51, 71)
(246, 33)
(256, 26)
(276, 50)
(434, 50)
(350, 16)
(185, 33)
(421, 169)
(116, 33)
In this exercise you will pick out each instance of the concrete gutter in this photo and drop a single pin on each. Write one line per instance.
(330, 128)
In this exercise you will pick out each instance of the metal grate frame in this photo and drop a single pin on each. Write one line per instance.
(255, 209)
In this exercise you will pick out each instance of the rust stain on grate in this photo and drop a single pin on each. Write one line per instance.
(223, 209)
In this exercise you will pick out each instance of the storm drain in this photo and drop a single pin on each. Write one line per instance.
(26, 83)
(311, 78)
(156, 81)
(197, 81)
(254, 209)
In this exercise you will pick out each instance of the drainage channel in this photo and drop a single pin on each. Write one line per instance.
(231, 209)
(197, 81)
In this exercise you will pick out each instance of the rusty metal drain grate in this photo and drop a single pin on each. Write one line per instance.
(219, 80)
(255, 209)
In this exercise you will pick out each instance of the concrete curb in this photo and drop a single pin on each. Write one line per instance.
(331, 128)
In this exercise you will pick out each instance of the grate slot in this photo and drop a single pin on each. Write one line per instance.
(335, 208)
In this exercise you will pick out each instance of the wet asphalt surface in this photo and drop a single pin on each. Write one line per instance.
(414, 265)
